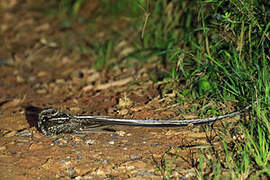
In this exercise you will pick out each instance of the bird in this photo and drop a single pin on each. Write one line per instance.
(53, 122)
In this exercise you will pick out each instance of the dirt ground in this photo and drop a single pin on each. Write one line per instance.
(41, 65)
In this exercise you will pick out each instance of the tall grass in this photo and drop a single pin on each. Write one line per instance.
(221, 49)
(210, 41)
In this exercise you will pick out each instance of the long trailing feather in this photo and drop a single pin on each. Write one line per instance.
(53, 122)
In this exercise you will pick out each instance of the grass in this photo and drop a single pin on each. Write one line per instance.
(104, 53)
(219, 49)
(165, 166)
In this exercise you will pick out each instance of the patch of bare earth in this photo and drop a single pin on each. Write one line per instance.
(36, 69)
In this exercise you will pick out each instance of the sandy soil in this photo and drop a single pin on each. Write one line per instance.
(41, 65)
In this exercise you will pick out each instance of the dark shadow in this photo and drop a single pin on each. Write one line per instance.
(109, 130)
(2, 103)
(31, 114)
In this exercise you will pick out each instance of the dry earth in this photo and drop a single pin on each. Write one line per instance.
(42, 66)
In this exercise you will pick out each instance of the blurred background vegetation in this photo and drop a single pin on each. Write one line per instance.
(216, 48)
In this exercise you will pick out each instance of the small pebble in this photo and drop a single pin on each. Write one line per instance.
(84, 177)
(111, 142)
(75, 109)
(94, 77)
(3, 148)
(31, 78)
(41, 91)
(146, 173)
(136, 156)
(60, 81)
(56, 141)
(62, 145)
(121, 133)
(87, 88)
(42, 74)
(90, 141)
(66, 161)
(70, 172)
(20, 144)
(123, 112)
(20, 79)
